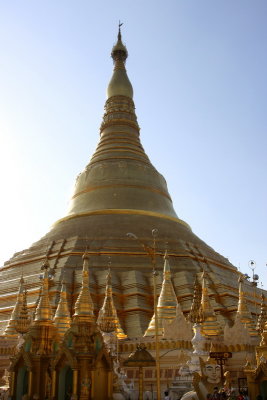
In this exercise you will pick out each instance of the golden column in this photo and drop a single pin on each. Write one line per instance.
(151, 251)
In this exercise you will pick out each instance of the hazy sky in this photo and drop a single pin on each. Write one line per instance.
(198, 69)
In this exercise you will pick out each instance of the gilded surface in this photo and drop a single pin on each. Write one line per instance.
(108, 320)
(127, 196)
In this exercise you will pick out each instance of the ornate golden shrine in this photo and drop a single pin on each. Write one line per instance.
(56, 364)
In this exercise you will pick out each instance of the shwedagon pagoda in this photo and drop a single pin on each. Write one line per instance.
(77, 308)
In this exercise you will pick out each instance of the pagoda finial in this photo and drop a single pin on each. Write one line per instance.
(210, 325)
(84, 308)
(24, 321)
(43, 310)
(167, 268)
(167, 302)
(12, 323)
(119, 84)
(107, 318)
(62, 316)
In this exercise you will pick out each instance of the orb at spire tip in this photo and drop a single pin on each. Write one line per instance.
(119, 84)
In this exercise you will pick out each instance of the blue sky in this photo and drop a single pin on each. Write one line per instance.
(198, 69)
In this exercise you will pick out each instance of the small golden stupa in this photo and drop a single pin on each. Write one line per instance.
(107, 318)
(62, 316)
(167, 302)
(84, 308)
(11, 330)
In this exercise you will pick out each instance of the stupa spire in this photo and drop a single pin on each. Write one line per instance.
(62, 316)
(84, 308)
(119, 178)
(107, 318)
(24, 321)
(167, 302)
(210, 325)
(12, 323)
(119, 84)
(243, 312)
(43, 309)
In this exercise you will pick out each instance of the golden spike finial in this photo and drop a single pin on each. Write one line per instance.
(167, 302)
(84, 308)
(12, 323)
(108, 320)
(205, 302)
(119, 84)
(210, 325)
(119, 52)
(21, 284)
(167, 268)
(23, 322)
(43, 309)
(62, 316)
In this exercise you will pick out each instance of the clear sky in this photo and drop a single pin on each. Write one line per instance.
(198, 69)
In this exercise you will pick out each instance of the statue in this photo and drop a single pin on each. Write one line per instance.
(120, 387)
(122, 391)
(205, 383)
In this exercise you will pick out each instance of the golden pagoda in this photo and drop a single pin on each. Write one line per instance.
(43, 309)
(167, 302)
(56, 361)
(107, 318)
(23, 321)
(62, 316)
(43, 331)
(11, 329)
(84, 308)
(209, 325)
(119, 191)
